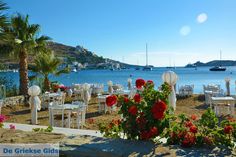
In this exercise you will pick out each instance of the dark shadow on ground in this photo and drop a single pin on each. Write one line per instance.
(26, 111)
(202, 106)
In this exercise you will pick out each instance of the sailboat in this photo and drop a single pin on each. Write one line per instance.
(218, 68)
(147, 67)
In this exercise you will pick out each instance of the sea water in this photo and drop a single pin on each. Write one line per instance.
(186, 76)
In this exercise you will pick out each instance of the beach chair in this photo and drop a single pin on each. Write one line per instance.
(186, 90)
(212, 90)
(76, 116)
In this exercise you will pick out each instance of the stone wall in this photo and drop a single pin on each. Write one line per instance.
(16, 100)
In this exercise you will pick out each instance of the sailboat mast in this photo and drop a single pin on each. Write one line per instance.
(146, 55)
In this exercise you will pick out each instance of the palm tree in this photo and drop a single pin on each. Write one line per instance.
(46, 64)
(24, 40)
(3, 22)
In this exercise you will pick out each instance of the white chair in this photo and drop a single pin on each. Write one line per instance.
(55, 109)
(212, 90)
(78, 115)
(186, 90)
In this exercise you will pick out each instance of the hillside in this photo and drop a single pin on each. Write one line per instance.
(69, 54)
(77, 53)
(213, 63)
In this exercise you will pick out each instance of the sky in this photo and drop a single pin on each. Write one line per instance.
(177, 32)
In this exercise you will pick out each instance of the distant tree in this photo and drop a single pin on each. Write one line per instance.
(46, 64)
(4, 23)
(24, 40)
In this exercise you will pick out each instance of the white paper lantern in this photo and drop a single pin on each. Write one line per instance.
(109, 83)
(170, 77)
(35, 103)
(34, 90)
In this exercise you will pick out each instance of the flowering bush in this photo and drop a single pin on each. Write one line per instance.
(191, 131)
(147, 115)
(55, 87)
(2, 119)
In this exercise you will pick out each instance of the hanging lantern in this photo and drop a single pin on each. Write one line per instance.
(35, 103)
(227, 84)
(171, 78)
(34, 90)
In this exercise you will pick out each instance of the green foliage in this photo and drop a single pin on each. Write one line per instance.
(206, 131)
(45, 64)
(209, 119)
(48, 129)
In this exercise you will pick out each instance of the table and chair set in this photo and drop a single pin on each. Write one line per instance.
(215, 98)
(73, 114)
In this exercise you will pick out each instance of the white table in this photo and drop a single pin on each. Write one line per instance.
(66, 108)
(219, 101)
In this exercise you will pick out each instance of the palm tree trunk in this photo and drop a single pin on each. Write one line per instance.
(46, 84)
(24, 80)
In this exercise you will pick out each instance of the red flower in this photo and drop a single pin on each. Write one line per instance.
(116, 122)
(111, 100)
(2, 118)
(188, 124)
(158, 115)
(139, 83)
(141, 122)
(228, 129)
(207, 140)
(193, 117)
(158, 110)
(137, 98)
(145, 135)
(153, 131)
(133, 110)
(193, 129)
(188, 140)
(126, 100)
(150, 82)
(181, 134)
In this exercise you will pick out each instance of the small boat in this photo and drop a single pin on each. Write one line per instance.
(74, 70)
(217, 68)
(147, 67)
(137, 68)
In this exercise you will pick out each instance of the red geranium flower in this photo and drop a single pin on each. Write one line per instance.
(126, 100)
(207, 140)
(228, 129)
(133, 110)
(150, 81)
(137, 98)
(145, 135)
(139, 83)
(193, 117)
(158, 115)
(188, 140)
(193, 129)
(188, 124)
(158, 110)
(111, 100)
(153, 131)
